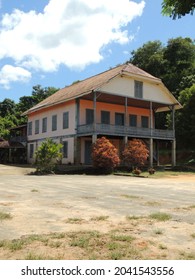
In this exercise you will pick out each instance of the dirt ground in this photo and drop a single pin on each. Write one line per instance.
(95, 217)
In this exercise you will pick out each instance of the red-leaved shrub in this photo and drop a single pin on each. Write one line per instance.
(104, 155)
(135, 153)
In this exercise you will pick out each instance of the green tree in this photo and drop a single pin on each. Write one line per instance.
(171, 63)
(104, 155)
(176, 63)
(185, 121)
(179, 60)
(7, 107)
(38, 94)
(177, 8)
(8, 117)
(5, 124)
(47, 155)
(149, 58)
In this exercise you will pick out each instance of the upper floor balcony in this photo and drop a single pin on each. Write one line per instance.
(20, 139)
(117, 130)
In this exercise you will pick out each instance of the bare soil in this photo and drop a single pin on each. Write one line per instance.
(96, 233)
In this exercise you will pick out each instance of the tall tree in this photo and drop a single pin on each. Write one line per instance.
(149, 57)
(177, 8)
(177, 71)
(179, 58)
(7, 107)
(185, 121)
(171, 63)
(10, 112)
(38, 94)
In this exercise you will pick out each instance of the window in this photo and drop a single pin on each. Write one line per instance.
(31, 153)
(119, 119)
(105, 117)
(89, 116)
(65, 149)
(30, 128)
(54, 122)
(65, 120)
(138, 89)
(44, 125)
(133, 120)
(37, 127)
(144, 121)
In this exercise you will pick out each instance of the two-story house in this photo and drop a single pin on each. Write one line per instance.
(120, 104)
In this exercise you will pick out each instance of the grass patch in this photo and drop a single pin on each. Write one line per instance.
(158, 232)
(15, 245)
(113, 246)
(35, 237)
(130, 196)
(187, 256)
(162, 247)
(55, 244)
(81, 242)
(5, 216)
(74, 220)
(166, 174)
(160, 216)
(133, 217)
(152, 203)
(193, 235)
(123, 238)
(34, 190)
(57, 235)
(33, 256)
(191, 207)
(117, 255)
(121, 243)
(100, 218)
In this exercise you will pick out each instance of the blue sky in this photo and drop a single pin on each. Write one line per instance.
(55, 42)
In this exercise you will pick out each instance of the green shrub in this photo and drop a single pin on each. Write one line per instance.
(47, 156)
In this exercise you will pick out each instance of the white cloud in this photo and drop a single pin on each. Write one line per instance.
(10, 73)
(69, 32)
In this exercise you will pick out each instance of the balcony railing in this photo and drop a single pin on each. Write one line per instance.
(117, 130)
(20, 139)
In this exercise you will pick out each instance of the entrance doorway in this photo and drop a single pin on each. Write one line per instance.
(88, 145)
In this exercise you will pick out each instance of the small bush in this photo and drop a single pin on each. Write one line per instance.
(47, 155)
(5, 216)
(135, 153)
(104, 155)
(159, 216)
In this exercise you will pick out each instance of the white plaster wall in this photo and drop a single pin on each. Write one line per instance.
(48, 114)
(125, 86)
(69, 159)
(59, 135)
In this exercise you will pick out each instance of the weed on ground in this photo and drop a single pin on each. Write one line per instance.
(5, 216)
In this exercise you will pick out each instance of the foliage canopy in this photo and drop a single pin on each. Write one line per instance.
(135, 153)
(104, 155)
(10, 112)
(177, 8)
(47, 156)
